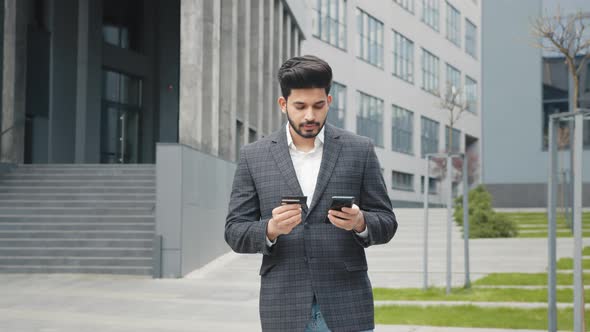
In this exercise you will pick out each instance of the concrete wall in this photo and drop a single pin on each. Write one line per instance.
(215, 84)
(14, 71)
(192, 196)
(515, 166)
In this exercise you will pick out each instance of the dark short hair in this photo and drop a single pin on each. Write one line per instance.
(304, 72)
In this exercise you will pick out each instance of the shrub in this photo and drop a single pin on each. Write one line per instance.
(484, 222)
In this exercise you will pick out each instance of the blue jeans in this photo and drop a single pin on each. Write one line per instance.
(317, 322)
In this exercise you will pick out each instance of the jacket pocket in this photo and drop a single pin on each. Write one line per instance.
(355, 265)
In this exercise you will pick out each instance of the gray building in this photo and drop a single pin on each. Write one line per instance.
(171, 87)
(521, 87)
(103, 81)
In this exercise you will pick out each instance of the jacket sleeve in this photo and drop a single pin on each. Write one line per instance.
(245, 232)
(375, 203)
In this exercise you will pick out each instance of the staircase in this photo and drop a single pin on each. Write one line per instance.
(77, 218)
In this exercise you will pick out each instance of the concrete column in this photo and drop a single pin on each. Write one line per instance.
(278, 56)
(256, 66)
(295, 41)
(286, 46)
(229, 79)
(269, 63)
(89, 78)
(191, 72)
(210, 79)
(287, 26)
(14, 81)
(62, 87)
(244, 33)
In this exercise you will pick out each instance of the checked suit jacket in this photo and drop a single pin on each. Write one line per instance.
(316, 258)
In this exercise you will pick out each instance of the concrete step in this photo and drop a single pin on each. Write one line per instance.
(75, 177)
(11, 197)
(76, 226)
(78, 190)
(76, 261)
(78, 218)
(59, 211)
(99, 234)
(76, 269)
(76, 243)
(104, 204)
(76, 252)
(85, 166)
(111, 183)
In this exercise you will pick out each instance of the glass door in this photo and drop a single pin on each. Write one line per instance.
(121, 113)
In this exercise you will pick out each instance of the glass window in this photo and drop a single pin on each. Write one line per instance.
(453, 77)
(471, 94)
(430, 13)
(402, 130)
(329, 22)
(121, 25)
(429, 136)
(121, 88)
(369, 119)
(456, 139)
(430, 72)
(432, 184)
(453, 25)
(406, 4)
(470, 38)
(402, 181)
(336, 114)
(403, 57)
(370, 46)
(555, 100)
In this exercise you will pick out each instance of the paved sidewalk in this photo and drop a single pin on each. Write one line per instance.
(223, 296)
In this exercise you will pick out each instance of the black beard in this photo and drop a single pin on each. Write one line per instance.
(299, 132)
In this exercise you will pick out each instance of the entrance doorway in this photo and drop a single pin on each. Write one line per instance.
(121, 118)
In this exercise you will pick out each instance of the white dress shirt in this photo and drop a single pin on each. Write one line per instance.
(307, 167)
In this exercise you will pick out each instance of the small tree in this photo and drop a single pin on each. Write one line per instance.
(565, 35)
(455, 104)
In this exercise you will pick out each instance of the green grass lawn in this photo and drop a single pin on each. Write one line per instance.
(522, 279)
(539, 222)
(472, 316)
(568, 264)
(544, 234)
(586, 251)
(472, 294)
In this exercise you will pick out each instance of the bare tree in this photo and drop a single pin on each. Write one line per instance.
(565, 35)
(453, 101)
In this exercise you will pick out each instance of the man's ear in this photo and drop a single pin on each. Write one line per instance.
(282, 104)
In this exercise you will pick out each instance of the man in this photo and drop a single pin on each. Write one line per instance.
(314, 269)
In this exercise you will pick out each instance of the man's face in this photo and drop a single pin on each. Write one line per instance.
(306, 110)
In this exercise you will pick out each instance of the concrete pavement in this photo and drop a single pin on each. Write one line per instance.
(223, 296)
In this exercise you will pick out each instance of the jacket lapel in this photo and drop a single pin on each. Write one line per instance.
(280, 152)
(332, 147)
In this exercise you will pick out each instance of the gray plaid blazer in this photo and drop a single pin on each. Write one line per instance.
(316, 258)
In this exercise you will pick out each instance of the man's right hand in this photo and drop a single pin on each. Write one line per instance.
(284, 219)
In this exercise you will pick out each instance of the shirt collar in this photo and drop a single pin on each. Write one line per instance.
(319, 139)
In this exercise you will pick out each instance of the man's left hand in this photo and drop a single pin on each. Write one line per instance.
(348, 219)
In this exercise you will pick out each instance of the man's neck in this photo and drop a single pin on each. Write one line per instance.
(302, 144)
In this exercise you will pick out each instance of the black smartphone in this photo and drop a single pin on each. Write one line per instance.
(294, 200)
(338, 202)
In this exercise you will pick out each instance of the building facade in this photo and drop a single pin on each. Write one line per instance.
(103, 81)
(392, 60)
(522, 86)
